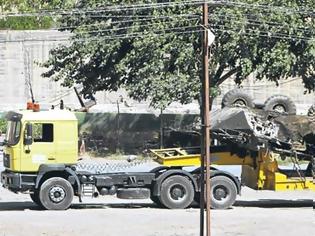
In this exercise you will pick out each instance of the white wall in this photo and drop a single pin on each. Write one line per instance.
(20, 49)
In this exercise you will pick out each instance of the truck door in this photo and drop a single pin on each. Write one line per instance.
(42, 150)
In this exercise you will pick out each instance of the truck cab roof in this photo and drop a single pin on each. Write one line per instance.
(52, 115)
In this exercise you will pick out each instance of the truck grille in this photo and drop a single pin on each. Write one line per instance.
(6, 160)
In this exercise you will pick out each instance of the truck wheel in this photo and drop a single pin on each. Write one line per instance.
(35, 198)
(237, 97)
(311, 111)
(177, 192)
(156, 200)
(223, 192)
(56, 194)
(281, 104)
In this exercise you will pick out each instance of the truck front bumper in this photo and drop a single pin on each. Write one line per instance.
(17, 182)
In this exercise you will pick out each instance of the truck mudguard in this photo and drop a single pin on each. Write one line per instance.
(44, 169)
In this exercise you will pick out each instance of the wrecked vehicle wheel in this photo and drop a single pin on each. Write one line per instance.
(237, 97)
(281, 104)
(311, 111)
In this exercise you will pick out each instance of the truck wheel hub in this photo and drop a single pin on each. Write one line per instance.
(279, 108)
(220, 193)
(177, 192)
(240, 102)
(57, 194)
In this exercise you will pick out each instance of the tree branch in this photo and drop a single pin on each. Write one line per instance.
(217, 75)
(228, 75)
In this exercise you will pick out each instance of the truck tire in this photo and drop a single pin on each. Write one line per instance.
(281, 104)
(56, 194)
(223, 192)
(156, 200)
(237, 97)
(35, 198)
(177, 192)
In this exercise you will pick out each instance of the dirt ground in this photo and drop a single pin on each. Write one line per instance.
(255, 213)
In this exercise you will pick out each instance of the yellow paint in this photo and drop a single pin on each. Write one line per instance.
(261, 173)
(63, 148)
(191, 157)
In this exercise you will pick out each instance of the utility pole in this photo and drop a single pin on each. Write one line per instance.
(205, 162)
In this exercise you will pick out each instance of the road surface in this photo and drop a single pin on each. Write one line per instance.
(254, 214)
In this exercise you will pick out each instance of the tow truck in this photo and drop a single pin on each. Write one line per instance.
(41, 159)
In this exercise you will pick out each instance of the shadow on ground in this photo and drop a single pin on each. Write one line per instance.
(113, 205)
(275, 203)
(28, 205)
(18, 206)
(261, 203)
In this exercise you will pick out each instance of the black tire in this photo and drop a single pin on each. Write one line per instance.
(177, 192)
(35, 198)
(156, 200)
(223, 192)
(237, 97)
(311, 111)
(309, 170)
(197, 198)
(56, 194)
(281, 104)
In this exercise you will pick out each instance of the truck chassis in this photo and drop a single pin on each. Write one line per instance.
(54, 186)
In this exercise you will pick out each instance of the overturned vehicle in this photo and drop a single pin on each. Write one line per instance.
(256, 129)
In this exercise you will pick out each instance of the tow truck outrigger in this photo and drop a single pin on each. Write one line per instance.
(41, 152)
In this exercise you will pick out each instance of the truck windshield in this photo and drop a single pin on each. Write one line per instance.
(13, 132)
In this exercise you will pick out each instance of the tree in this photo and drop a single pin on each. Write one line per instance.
(154, 52)
(29, 22)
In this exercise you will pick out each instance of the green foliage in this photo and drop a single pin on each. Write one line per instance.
(273, 42)
(29, 22)
(26, 23)
(3, 125)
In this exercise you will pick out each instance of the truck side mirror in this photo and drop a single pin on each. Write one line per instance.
(28, 139)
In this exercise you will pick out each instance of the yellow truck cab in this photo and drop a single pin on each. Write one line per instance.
(35, 138)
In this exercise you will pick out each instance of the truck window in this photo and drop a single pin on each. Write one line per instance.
(43, 132)
(13, 132)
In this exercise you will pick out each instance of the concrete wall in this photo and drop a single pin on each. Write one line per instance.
(20, 49)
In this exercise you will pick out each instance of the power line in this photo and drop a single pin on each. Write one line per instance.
(110, 8)
(143, 6)
(255, 33)
(148, 18)
(266, 27)
(101, 39)
(264, 34)
(276, 8)
(142, 16)
(259, 22)
(135, 26)
(225, 29)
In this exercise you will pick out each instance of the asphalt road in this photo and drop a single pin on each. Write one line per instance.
(255, 213)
